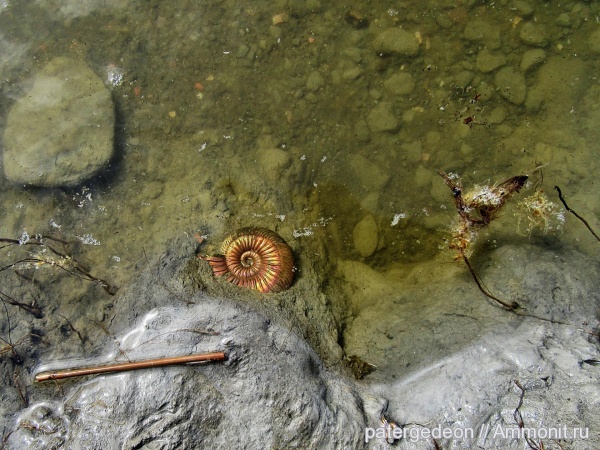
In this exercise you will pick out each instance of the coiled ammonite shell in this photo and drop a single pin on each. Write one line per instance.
(255, 258)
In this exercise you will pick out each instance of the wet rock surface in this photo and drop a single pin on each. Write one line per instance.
(273, 386)
(278, 390)
(61, 132)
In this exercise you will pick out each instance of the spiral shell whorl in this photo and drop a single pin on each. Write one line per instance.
(255, 258)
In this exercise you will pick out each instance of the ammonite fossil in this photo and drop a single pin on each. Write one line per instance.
(255, 258)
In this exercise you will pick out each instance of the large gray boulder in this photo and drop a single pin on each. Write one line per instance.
(61, 132)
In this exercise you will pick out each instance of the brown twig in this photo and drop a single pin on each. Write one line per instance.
(75, 269)
(476, 211)
(159, 362)
(73, 329)
(562, 199)
(510, 306)
(37, 312)
(15, 356)
(19, 388)
(521, 423)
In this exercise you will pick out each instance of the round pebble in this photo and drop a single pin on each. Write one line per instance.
(61, 132)
(396, 41)
(533, 34)
(366, 236)
(532, 59)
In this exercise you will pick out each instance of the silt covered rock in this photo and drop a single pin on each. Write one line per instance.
(61, 132)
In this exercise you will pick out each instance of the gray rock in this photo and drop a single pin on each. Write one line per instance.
(532, 59)
(273, 385)
(396, 41)
(365, 235)
(206, 406)
(61, 132)
(401, 83)
(276, 389)
(382, 118)
(481, 31)
(533, 34)
(511, 85)
(488, 61)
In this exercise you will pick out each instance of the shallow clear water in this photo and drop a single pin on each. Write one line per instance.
(286, 115)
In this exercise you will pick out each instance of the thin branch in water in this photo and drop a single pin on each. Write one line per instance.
(483, 288)
(562, 199)
(76, 269)
(19, 388)
(34, 310)
(15, 356)
(81, 338)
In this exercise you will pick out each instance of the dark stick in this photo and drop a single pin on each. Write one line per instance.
(73, 329)
(37, 312)
(560, 196)
(510, 306)
(16, 357)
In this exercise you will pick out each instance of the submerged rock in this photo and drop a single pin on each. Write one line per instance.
(511, 85)
(382, 118)
(61, 132)
(483, 32)
(366, 236)
(396, 41)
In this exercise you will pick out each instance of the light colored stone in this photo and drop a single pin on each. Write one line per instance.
(382, 118)
(273, 161)
(366, 236)
(352, 73)
(61, 132)
(481, 31)
(563, 20)
(396, 41)
(371, 176)
(497, 115)
(511, 85)
(533, 34)
(523, 8)
(488, 61)
(401, 83)
(531, 59)
(463, 78)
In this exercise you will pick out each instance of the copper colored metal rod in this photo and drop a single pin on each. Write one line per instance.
(159, 362)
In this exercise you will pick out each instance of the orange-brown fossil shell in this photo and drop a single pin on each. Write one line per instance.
(255, 258)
